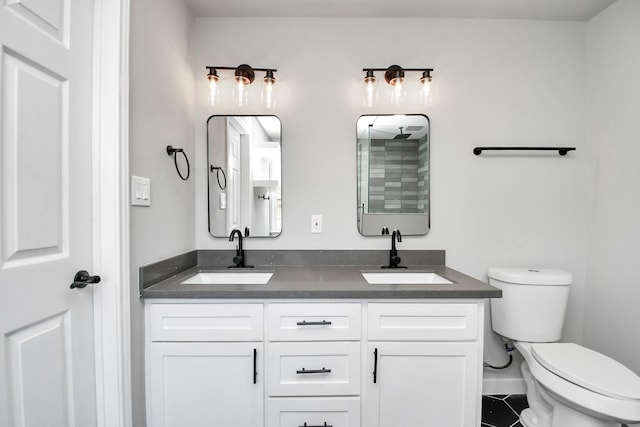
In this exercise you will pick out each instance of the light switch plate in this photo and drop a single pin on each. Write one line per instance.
(140, 191)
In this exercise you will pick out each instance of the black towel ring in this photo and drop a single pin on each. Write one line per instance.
(219, 169)
(173, 151)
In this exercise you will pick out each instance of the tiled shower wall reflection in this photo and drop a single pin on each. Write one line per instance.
(397, 176)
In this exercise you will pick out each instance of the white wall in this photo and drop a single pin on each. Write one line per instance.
(161, 114)
(612, 306)
(496, 82)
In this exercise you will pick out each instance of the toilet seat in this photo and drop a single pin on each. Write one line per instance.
(588, 369)
(624, 410)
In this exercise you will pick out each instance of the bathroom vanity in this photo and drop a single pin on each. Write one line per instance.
(315, 346)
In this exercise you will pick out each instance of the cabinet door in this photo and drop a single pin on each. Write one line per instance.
(205, 384)
(423, 385)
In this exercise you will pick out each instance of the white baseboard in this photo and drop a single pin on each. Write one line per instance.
(495, 386)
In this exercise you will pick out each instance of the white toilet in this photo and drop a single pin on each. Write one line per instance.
(567, 385)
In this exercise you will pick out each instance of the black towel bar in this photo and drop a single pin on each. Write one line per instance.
(561, 150)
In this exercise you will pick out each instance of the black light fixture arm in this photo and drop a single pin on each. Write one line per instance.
(211, 68)
(394, 72)
(241, 71)
(430, 70)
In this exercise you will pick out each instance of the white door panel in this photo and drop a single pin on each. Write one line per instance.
(46, 329)
(50, 17)
(33, 185)
(30, 373)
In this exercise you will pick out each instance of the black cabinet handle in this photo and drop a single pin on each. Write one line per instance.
(255, 365)
(314, 371)
(323, 425)
(375, 365)
(305, 323)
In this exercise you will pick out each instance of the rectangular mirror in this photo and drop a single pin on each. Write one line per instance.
(393, 174)
(244, 155)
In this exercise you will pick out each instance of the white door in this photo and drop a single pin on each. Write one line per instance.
(234, 131)
(46, 329)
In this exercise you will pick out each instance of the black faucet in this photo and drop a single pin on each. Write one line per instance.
(238, 260)
(394, 259)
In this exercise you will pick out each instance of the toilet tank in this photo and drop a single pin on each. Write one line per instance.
(533, 303)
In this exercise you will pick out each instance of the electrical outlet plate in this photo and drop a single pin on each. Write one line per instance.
(316, 223)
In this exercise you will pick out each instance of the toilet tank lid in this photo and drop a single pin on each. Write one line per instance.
(531, 276)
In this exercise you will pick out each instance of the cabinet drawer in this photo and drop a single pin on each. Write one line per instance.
(313, 412)
(313, 369)
(206, 322)
(423, 322)
(314, 322)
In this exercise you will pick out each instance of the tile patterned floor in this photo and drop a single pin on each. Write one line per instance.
(504, 410)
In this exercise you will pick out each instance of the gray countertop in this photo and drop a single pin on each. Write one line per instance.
(321, 281)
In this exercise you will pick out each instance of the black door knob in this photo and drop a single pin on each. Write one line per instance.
(82, 279)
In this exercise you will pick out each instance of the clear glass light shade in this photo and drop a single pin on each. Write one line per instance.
(240, 92)
(425, 90)
(370, 91)
(214, 89)
(398, 91)
(268, 95)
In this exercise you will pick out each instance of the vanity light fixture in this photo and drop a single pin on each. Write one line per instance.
(394, 75)
(244, 75)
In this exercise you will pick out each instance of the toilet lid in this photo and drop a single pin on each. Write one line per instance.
(588, 369)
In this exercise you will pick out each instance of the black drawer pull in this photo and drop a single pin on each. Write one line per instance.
(314, 371)
(255, 365)
(323, 425)
(375, 365)
(305, 323)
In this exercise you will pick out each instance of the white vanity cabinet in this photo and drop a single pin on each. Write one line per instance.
(204, 365)
(424, 364)
(296, 363)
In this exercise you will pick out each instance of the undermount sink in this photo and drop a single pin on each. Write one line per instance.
(229, 278)
(405, 278)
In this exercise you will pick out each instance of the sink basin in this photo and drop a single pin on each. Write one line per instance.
(405, 278)
(229, 278)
